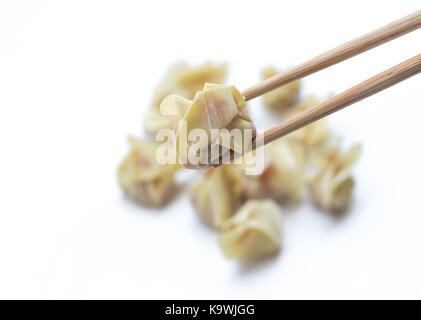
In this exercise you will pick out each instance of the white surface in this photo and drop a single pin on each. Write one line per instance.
(75, 80)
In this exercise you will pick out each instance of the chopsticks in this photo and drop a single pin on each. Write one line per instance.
(361, 91)
(358, 92)
(338, 54)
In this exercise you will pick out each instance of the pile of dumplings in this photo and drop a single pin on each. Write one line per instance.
(246, 209)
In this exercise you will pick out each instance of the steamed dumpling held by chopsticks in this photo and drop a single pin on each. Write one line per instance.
(213, 109)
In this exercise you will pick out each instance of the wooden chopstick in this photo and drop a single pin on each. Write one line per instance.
(338, 54)
(361, 91)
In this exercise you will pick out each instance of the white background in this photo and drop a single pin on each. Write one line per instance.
(76, 78)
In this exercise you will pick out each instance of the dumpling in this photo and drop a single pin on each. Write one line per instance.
(312, 134)
(283, 177)
(254, 231)
(142, 178)
(217, 195)
(184, 80)
(332, 187)
(283, 97)
(215, 107)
